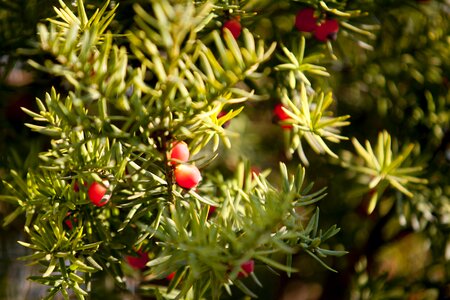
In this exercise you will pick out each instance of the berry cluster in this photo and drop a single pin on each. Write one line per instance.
(306, 21)
(187, 176)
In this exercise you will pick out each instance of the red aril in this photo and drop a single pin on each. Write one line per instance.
(246, 268)
(211, 210)
(305, 20)
(327, 30)
(234, 26)
(138, 262)
(187, 176)
(96, 192)
(69, 219)
(170, 276)
(179, 153)
(281, 115)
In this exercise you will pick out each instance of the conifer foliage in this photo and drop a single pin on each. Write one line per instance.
(147, 104)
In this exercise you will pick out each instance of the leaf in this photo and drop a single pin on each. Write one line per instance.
(90, 246)
(158, 260)
(372, 202)
(332, 231)
(91, 260)
(129, 216)
(79, 265)
(327, 252)
(54, 132)
(76, 278)
(12, 216)
(82, 13)
(50, 268)
(320, 261)
(79, 291)
(202, 199)
(275, 264)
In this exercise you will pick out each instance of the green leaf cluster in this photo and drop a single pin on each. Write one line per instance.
(384, 168)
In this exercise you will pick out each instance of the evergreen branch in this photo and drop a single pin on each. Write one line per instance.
(312, 121)
(385, 170)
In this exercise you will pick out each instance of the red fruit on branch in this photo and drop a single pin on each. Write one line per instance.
(96, 191)
(246, 268)
(76, 187)
(187, 176)
(281, 115)
(68, 223)
(234, 26)
(327, 30)
(69, 219)
(179, 153)
(170, 276)
(305, 20)
(211, 210)
(138, 262)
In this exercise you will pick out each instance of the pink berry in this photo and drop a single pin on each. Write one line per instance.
(327, 30)
(96, 192)
(187, 176)
(305, 20)
(282, 115)
(138, 262)
(247, 268)
(179, 153)
(234, 26)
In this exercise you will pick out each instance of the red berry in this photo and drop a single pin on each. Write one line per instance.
(138, 262)
(247, 268)
(305, 20)
(179, 153)
(327, 30)
(282, 115)
(234, 26)
(76, 188)
(187, 176)
(68, 220)
(68, 223)
(211, 210)
(170, 276)
(96, 192)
